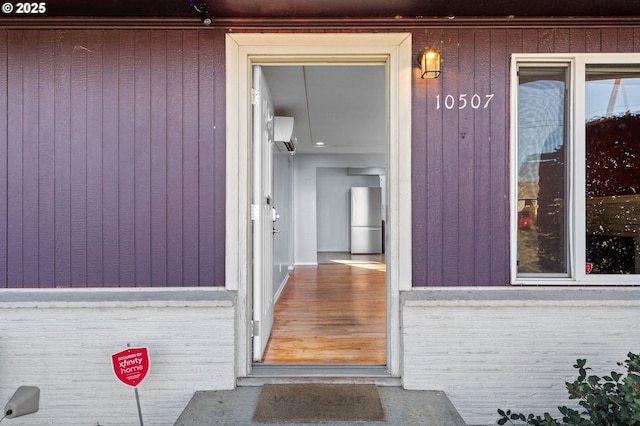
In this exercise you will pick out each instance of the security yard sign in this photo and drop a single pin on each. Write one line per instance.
(131, 365)
(589, 267)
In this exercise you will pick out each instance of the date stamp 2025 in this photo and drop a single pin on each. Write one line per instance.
(24, 8)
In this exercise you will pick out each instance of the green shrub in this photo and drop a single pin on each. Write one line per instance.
(609, 400)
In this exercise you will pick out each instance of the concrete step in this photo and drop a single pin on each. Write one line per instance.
(402, 407)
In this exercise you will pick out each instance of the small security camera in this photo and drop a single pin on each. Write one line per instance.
(204, 13)
(205, 18)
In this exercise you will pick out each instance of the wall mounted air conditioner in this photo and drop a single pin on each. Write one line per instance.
(282, 131)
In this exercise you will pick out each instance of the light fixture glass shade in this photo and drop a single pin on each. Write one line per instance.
(430, 63)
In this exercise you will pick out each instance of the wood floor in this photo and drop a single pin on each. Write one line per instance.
(332, 313)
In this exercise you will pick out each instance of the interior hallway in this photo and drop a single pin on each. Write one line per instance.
(333, 313)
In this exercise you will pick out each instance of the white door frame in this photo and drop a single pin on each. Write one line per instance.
(393, 50)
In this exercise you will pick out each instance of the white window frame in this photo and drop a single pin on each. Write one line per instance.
(576, 173)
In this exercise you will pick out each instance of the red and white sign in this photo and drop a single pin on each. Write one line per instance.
(589, 267)
(131, 365)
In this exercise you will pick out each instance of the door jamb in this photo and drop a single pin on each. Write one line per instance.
(242, 51)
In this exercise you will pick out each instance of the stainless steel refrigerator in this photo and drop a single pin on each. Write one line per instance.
(366, 220)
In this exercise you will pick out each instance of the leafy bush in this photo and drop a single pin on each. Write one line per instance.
(611, 400)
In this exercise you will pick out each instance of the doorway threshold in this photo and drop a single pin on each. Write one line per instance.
(262, 374)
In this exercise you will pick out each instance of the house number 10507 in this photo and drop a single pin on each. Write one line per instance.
(464, 100)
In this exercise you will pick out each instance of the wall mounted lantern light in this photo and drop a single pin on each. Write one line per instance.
(430, 63)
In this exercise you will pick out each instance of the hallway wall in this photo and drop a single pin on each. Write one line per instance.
(305, 184)
(334, 206)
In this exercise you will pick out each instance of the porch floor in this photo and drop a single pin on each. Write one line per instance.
(402, 407)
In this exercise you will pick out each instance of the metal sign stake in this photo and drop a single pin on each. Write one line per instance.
(139, 409)
(137, 399)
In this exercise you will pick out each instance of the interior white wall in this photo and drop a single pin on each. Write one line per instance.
(283, 202)
(333, 206)
(305, 204)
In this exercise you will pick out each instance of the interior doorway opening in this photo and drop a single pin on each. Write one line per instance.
(328, 267)
(242, 51)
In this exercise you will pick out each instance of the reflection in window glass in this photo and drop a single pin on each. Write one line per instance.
(613, 169)
(541, 170)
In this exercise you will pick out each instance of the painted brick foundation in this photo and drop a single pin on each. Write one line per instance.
(513, 348)
(65, 347)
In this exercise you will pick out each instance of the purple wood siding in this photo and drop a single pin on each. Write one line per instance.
(113, 158)
(460, 156)
(4, 150)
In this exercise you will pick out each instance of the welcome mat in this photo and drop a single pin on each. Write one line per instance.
(311, 403)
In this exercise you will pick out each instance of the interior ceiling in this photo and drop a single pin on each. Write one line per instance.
(344, 8)
(342, 106)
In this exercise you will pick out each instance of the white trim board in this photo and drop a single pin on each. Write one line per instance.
(393, 50)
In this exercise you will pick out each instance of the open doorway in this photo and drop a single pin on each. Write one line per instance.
(393, 52)
(327, 185)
